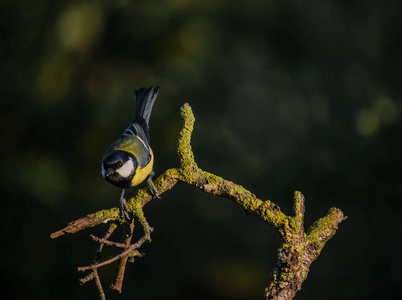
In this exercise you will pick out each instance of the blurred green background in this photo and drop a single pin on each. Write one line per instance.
(288, 95)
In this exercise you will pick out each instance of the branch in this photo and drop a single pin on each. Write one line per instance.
(298, 250)
(94, 274)
(128, 251)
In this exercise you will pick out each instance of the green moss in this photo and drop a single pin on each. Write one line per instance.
(243, 197)
(171, 173)
(188, 169)
(162, 182)
(185, 153)
(113, 226)
(139, 214)
(323, 226)
(112, 213)
(274, 276)
(298, 202)
(189, 173)
(187, 116)
(239, 191)
(288, 227)
(184, 146)
(276, 219)
(295, 224)
(134, 205)
(211, 178)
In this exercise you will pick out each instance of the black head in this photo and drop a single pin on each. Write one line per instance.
(118, 168)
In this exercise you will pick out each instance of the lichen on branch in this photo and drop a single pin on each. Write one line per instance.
(298, 250)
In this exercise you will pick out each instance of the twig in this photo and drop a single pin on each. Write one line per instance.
(87, 278)
(92, 220)
(94, 274)
(99, 285)
(121, 264)
(106, 242)
(135, 246)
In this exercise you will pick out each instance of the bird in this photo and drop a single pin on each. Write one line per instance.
(129, 160)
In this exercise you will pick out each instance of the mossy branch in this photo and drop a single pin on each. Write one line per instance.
(298, 250)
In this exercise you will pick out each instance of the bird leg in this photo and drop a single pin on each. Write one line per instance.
(151, 185)
(123, 206)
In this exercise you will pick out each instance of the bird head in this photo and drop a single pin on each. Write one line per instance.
(118, 168)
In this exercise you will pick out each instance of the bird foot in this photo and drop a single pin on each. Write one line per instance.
(152, 188)
(124, 209)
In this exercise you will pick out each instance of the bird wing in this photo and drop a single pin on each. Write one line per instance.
(135, 145)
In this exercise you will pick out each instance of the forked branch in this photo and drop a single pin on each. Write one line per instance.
(298, 250)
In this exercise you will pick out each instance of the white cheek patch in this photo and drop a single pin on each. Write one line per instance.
(127, 169)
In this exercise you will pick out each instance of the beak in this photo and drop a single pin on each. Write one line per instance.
(106, 173)
(109, 172)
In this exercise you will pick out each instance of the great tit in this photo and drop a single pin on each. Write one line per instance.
(129, 159)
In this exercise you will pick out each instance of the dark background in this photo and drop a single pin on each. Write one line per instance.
(288, 95)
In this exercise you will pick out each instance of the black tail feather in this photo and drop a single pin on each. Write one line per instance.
(145, 99)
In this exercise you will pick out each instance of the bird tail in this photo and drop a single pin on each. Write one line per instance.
(145, 99)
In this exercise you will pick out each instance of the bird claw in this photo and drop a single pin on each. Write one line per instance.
(152, 188)
(124, 209)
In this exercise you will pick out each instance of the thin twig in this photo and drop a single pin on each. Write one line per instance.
(99, 285)
(87, 278)
(106, 242)
(109, 232)
(121, 264)
(94, 274)
(135, 246)
(92, 220)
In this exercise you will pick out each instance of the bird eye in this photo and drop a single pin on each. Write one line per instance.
(119, 164)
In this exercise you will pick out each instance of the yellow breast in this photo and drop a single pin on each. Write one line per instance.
(142, 173)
